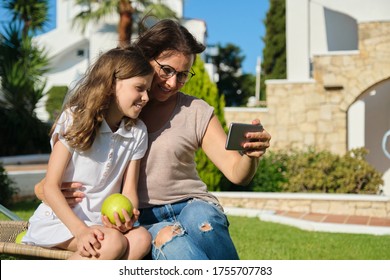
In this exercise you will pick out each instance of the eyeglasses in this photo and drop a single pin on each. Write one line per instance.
(167, 72)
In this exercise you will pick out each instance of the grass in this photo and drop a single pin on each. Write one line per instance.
(258, 240)
(23, 209)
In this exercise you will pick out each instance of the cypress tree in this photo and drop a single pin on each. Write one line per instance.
(202, 87)
(274, 53)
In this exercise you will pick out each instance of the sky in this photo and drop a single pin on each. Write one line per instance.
(232, 21)
(227, 21)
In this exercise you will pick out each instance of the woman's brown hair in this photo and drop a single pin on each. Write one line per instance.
(167, 35)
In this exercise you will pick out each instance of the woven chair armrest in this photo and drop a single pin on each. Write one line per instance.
(10, 229)
(8, 232)
(33, 251)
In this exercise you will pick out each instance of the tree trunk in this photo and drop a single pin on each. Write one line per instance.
(125, 22)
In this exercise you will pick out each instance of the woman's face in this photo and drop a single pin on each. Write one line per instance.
(164, 87)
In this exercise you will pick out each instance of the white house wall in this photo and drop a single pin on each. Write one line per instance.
(324, 26)
(341, 30)
(317, 30)
(176, 6)
(356, 125)
(66, 10)
(73, 68)
(102, 37)
(297, 40)
(197, 28)
(361, 10)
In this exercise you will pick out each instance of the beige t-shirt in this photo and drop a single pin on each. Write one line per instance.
(168, 170)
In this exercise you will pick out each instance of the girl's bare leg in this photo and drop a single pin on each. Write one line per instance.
(139, 241)
(113, 247)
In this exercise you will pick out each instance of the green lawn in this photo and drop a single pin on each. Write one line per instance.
(257, 240)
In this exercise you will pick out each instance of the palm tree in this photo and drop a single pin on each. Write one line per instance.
(95, 10)
(22, 67)
(32, 13)
(22, 64)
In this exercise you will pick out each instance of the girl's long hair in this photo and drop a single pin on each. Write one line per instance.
(90, 99)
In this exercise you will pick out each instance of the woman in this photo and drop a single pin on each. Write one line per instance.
(186, 222)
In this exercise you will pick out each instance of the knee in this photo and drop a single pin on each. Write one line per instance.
(114, 245)
(200, 209)
(202, 215)
(166, 234)
(143, 239)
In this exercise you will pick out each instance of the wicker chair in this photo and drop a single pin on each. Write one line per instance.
(8, 232)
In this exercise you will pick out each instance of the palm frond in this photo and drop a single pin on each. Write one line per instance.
(33, 13)
(160, 11)
(94, 11)
(22, 67)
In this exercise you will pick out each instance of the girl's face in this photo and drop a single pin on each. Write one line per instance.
(179, 65)
(132, 96)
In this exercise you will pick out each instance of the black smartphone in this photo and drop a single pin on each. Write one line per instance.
(236, 137)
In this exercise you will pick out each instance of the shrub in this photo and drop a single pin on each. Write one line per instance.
(22, 134)
(56, 96)
(325, 172)
(7, 188)
(313, 171)
(271, 174)
(201, 87)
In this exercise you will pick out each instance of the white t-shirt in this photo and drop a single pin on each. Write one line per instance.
(100, 169)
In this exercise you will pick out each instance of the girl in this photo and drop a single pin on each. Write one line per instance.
(99, 142)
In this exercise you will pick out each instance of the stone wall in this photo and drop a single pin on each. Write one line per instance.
(337, 204)
(246, 115)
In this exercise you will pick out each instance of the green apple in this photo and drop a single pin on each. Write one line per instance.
(115, 203)
(19, 237)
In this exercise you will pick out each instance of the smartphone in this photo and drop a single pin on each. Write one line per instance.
(236, 137)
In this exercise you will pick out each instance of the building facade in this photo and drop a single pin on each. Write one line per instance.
(337, 92)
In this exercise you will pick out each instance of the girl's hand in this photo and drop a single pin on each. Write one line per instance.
(88, 242)
(126, 225)
(258, 142)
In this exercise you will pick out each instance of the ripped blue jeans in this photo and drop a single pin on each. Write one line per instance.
(199, 231)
